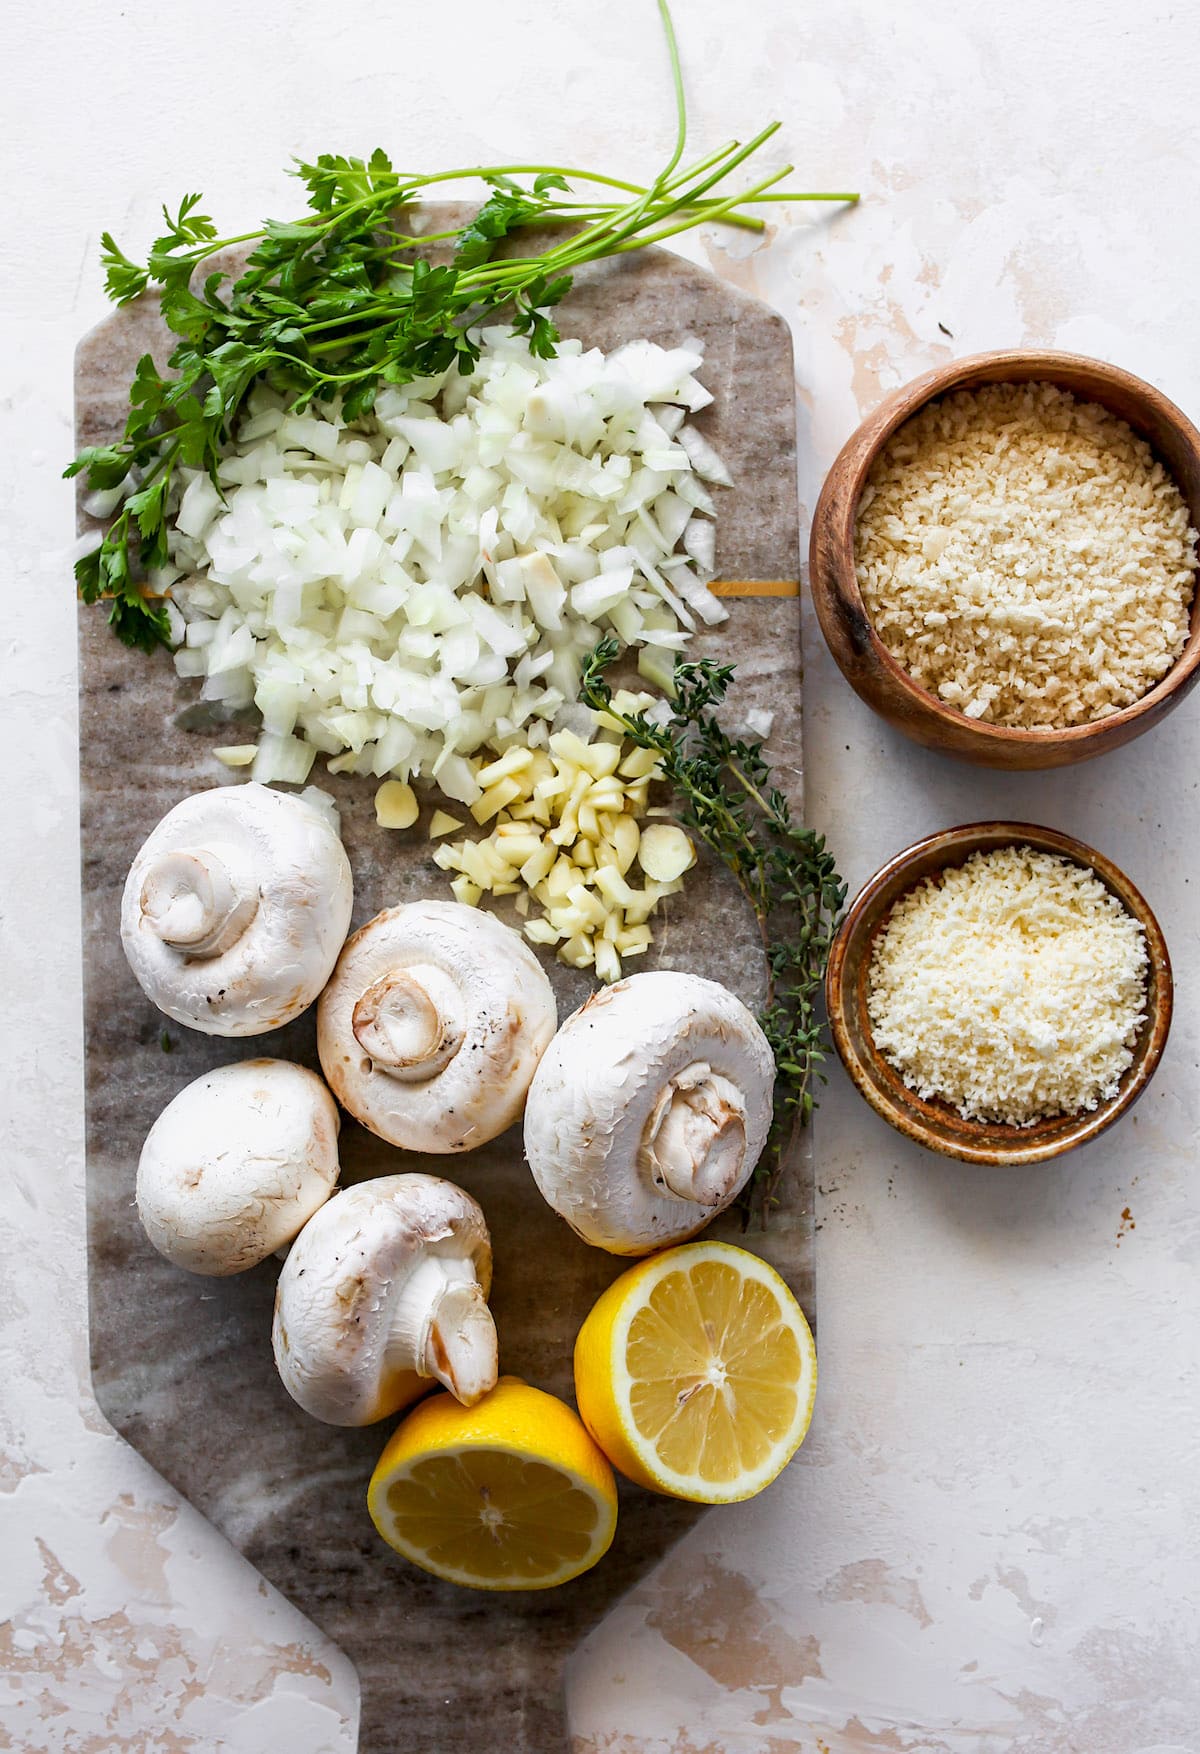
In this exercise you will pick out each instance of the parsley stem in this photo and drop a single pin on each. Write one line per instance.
(733, 159)
(685, 224)
(680, 97)
(719, 169)
(484, 171)
(700, 165)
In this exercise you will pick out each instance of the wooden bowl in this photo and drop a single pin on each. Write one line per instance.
(863, 658)
(934, 1124)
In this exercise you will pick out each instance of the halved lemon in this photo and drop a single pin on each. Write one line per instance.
(510, 1494)
(696, 1371)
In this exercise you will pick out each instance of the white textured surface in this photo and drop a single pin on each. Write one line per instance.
(989, 1543)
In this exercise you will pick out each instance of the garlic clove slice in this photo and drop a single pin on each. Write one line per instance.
(665, 852)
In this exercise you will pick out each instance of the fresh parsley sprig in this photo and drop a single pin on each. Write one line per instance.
(333, 304)
(784, 871)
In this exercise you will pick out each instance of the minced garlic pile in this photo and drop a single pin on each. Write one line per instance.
(1025, 557)
(1011, 988)
(566, 829)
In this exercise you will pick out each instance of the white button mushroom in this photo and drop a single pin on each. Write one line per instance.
(432, 1026)
(237, 1164)
(383, 1294)
(235, 909)
(649, 1111)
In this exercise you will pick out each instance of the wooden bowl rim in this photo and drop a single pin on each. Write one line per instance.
(898, 406)
(993, 1143)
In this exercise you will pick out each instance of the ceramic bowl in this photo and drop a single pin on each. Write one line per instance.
(934, 1124)
(863, 658)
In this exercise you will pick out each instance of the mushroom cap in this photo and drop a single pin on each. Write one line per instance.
(432, 1025)
(658, 1069)
(235, 909)
(236, 1164)
(340, 1289)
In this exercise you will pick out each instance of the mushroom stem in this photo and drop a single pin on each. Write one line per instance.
(461, 1349)
(441, 1327)
(410, 1027)
(696, 1137)
(191, 901)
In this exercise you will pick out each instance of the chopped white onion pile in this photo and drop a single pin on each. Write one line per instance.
(398, 593)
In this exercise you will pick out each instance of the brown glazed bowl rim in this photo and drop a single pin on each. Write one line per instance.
(1029, 365)
(932, 1123)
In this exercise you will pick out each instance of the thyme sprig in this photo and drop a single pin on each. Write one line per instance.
(789, 878)
(334, 304)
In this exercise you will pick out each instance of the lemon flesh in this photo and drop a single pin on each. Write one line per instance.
(696, 1372)
(511, 1494)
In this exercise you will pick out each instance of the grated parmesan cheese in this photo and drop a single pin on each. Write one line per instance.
(1011, 988)
(1024, 556)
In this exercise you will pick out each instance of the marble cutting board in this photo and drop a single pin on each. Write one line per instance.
(182, 1365)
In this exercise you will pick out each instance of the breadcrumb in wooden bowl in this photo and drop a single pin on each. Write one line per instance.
(1031, 602)
(1022, 1025)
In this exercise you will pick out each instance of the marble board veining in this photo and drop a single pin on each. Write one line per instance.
(182, 1365)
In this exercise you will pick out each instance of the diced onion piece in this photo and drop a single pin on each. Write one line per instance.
(705, 459)
(699, 541)
(236, 754)
(697, 596)
(285, 759)
(442, 823)
(466, 891)
(657, 667)
(457, 779)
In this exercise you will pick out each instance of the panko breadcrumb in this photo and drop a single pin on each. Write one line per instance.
(1025, 557)
(1011, 988)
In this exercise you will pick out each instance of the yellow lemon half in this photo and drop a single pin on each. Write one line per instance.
(510, 1494)
(696, 1371)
